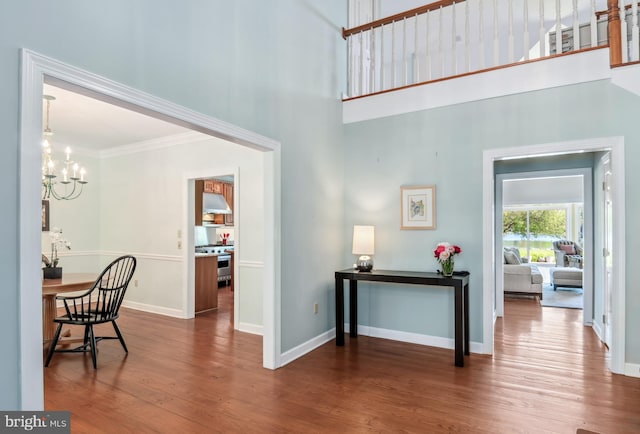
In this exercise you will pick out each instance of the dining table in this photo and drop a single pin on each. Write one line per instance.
(69, 282)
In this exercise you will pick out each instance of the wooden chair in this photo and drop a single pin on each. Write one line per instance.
(99, 304)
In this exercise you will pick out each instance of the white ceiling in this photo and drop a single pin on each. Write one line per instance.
(87, 124)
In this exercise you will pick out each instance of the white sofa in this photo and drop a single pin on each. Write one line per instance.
(520, 277)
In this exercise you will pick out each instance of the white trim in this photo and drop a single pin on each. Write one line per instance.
(254, 329)
(35, 69)
(527, 77)
(153, 144)
(251, 264)
(306, 347)
(616, 146)
(412, 338)
(149, 256)
(597, 329)
(160, 310)
(632, 369)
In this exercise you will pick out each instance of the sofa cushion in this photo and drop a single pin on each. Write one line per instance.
(568, 249)
(511, 258)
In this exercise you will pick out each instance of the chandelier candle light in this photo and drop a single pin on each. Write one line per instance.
(72, 173)
(445, 253)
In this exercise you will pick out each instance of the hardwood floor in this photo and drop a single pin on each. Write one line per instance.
(548, 375)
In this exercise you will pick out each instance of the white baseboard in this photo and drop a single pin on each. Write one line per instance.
(597, 329)
(306, 347)
(176, 313)
(413, 338)
(254, 329)
(632, 369)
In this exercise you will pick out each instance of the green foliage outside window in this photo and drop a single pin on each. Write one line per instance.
(541, 222)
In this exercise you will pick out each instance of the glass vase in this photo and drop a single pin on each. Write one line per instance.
(447, 267)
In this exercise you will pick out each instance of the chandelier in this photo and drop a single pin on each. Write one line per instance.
(73, 176)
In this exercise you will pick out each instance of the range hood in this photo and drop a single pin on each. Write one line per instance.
(213, 203)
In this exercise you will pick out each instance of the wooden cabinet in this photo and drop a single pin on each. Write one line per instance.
(218, 187)
(213, 186)
(206, 294)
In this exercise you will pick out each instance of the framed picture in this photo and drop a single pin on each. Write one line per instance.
(418, 207)
(45, 216)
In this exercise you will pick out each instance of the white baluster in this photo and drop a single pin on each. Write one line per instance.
(440, 55)
(352, 77)
(525, 37)
(427, 51)
(480, 35)
(382, 57)
(635, 32)
(558, 29)
(510, 52)
(467, 37)
(594, 25)
(542, 32)
(361, 76)
(623, 32)
(416, 59)
(372, 71)
(576, 27)
(454, 55)
(496, 41)
(393, 55)
(404, 51)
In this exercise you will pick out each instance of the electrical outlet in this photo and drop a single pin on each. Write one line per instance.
(315, 308)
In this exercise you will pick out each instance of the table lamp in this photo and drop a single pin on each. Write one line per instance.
(363, 245)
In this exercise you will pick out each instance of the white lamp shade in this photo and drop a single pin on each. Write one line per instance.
(363, 240)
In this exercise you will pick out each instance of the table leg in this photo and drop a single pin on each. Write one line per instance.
(48, 315)
(467, 349)
(353, 308)
(339, 312)
(459, 326)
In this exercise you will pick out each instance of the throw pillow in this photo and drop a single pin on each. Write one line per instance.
(511, 258)
(568, 249)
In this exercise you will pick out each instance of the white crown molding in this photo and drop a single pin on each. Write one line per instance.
(154, 144)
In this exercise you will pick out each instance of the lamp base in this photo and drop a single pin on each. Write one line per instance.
(364, 263)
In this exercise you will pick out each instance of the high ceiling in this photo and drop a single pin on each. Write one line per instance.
(87, 124)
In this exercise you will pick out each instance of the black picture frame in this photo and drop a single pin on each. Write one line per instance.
(45, 215)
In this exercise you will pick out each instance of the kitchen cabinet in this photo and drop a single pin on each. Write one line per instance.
(212, 186)
(206, 294)
(218, 187)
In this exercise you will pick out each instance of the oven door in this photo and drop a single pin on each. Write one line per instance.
(224, 268)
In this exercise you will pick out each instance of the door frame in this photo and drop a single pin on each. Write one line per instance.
(616, 147)
(35, 69)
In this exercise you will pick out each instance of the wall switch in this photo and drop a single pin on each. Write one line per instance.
(315, 308)
(179, 244)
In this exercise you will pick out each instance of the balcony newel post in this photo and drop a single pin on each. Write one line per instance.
(615, 39)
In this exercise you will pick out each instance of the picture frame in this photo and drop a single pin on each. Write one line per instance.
(418, 207)
(45, 215)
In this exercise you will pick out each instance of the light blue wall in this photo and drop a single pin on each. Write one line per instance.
(273, 67)
(444, 147)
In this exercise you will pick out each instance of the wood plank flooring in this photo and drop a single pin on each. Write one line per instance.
(548, 375)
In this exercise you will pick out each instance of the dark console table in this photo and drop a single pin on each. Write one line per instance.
(459, 282)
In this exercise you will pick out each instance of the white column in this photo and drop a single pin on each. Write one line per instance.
(525, 37)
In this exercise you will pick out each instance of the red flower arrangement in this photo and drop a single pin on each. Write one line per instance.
(445, 253)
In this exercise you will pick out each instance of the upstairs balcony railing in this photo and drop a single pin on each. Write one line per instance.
(449, 38)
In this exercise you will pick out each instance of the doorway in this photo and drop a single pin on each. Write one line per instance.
(615, 145)
(547, 180)
(35, 70)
